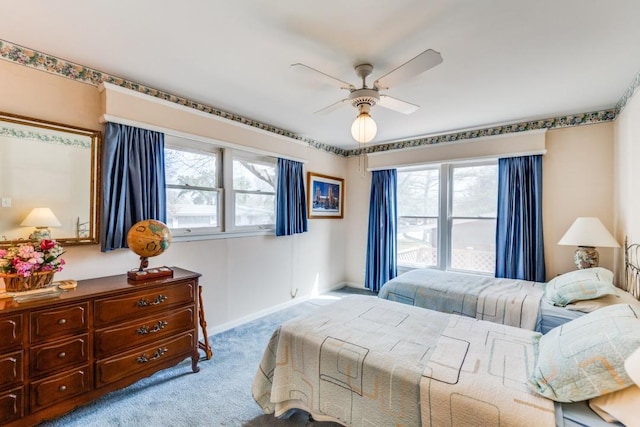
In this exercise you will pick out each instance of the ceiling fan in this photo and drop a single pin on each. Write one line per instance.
(364, 129)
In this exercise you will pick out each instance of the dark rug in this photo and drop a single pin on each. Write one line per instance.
(218, 395)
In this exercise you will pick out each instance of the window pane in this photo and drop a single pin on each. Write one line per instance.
(473, 244)
(188, 168)
(192, 208)
(417, 241)
(418, 193)
(254, 176)
(255, 209)
(475, 191)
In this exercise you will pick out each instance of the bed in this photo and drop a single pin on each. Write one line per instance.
(530, 305)
(507, 301)
(367, 361)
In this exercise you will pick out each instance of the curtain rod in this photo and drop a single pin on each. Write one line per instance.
(115, 119)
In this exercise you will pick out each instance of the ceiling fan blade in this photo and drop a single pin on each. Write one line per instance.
(333, 107)
(396, 104)
(421, 63)
(317, 74)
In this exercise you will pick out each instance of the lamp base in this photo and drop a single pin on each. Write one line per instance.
(586, 257)
(40, 233)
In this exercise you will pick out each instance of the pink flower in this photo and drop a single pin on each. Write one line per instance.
(23, 268)
(26, 259)
(25, 251)
(36, 258)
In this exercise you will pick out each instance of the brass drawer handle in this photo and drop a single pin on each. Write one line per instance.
(144, 358)
(159, 299)
(158, 327)
(62, 388)
(62, 355)
(62, 321)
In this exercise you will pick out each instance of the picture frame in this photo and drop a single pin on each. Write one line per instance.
(325, 196)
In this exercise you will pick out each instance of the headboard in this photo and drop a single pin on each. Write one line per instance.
(632, 268)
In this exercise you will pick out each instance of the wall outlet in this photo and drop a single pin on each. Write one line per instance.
(6, 202)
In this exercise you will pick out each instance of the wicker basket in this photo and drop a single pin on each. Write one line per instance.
(18, 283)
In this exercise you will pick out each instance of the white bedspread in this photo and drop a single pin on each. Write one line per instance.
(505, 301)
(364, 361)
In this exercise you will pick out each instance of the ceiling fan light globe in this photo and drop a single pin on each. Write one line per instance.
(364, 129)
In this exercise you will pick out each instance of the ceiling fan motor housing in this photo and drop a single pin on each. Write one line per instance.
(364, 96)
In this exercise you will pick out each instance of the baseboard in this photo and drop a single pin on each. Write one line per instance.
(253, 316)
(354, 285)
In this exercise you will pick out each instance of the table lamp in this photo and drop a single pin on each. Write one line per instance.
(41, 219)
(586, 233)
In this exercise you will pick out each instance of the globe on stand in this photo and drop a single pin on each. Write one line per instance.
(149, 238)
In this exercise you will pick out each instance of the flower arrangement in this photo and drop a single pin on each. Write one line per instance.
(34, 257)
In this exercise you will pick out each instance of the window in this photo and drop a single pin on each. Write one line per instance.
(254, 191)
(418, 213)
(213, 190)
(447, 216)
(472, 228)
(193, 190)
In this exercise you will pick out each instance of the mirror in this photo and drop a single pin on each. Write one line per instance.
(48, 165)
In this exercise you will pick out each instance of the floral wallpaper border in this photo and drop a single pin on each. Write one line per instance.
(635, 83)
(552, 123)
(43, 137)
(41, 61)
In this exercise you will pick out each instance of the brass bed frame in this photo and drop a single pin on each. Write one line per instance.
(632, 268)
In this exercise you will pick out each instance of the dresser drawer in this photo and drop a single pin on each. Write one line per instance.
(59, 355)
(10, 332)
(143, 303)
(11, 405)
(143, 331)
(59, 388)
(144, 358)
(11, 369)
(58, 322)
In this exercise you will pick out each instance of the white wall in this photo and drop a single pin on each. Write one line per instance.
(627, 177)
(358, 186)
(241, 276)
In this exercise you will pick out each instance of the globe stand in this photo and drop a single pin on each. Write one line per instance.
(144, 273)
(148, 238)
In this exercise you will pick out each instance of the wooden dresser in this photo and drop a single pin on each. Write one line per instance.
(59, 353)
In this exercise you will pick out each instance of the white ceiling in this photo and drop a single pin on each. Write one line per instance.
(504, 60)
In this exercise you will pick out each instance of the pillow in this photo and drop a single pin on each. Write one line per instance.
(584, 358)
(579, 285)
(621, 405)
(587, 306)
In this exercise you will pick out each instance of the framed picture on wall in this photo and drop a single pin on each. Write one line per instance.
(325, 196)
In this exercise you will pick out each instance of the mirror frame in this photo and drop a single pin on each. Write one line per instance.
(95, 190)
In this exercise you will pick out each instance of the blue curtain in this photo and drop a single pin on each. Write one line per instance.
(291, 203)
(519, 242)
(381, 263)
(133, 181)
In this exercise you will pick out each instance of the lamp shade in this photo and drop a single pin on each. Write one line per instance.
(41, 217)
(364, 129)
(588, 231)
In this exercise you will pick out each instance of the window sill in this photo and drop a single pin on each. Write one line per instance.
(223, 235)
